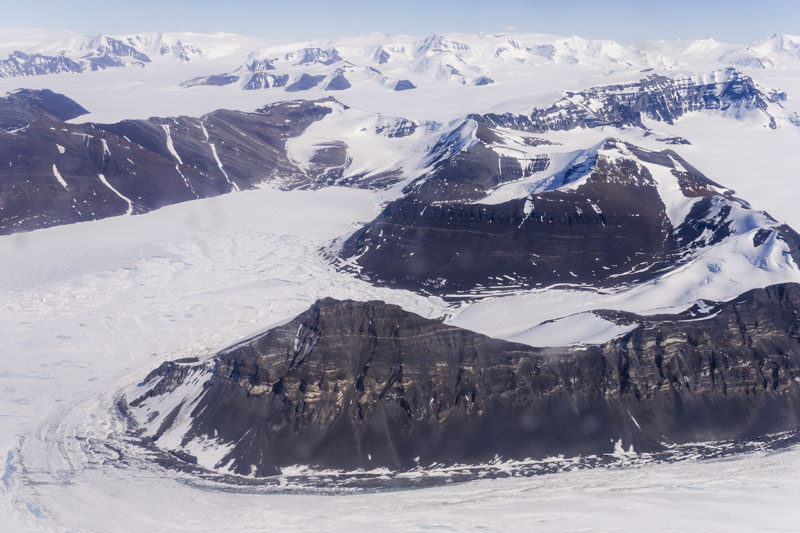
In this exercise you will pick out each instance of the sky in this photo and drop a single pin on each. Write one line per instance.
(735, 21)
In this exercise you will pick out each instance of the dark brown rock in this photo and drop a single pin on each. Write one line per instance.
(610, 229)
(365, 384)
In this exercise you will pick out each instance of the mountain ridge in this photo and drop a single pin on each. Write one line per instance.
(365, 384)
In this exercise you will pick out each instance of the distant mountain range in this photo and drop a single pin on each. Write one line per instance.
(95, 52)
(61, 172)
(399, 62)
(476, 60)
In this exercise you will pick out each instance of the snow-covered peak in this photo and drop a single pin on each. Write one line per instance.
(159, 44)
(463, 59)
(578, 50)
(82, 53)
(439, 44)
(779, 43)
(778, 51)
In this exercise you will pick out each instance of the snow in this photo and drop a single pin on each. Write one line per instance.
(677, 204)
(720, 274)
(368, 153)
(528, 207)
(216, 157)
(563, 157)
(171, 149)
(581, 328)
(252, 258)
(537, 66)
(170, 145)
(60, 179)
(91, 308)
(115, 191)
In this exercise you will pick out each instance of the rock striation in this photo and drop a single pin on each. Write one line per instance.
(618, 214)
(351, 384)
(654, 97)
(54, 172)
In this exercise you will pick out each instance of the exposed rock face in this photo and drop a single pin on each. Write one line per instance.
(102, 51)
(263, 72)
(618, 215)
(463, 165)
(261, 80)
(366, 384)
(307, 56)
(305, 82)
(96, 52)
(655, 97)
(20, 108)
(338, 82)
(216, 80)
(55, 172)
(404, 85)
(21, 64)
(381, 56)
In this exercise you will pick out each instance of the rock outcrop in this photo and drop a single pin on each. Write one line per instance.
(20, 108)
(54, 172)
(365, 384)
(654, 97)
(617, 215)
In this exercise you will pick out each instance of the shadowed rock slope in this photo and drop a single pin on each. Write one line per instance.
(619, 214)
(20, 108)
(53, 172)
(365, 384)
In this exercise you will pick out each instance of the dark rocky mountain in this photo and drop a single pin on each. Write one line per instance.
(265, 81)
(305, 82)
(55, 172)
(338, 82)
(608, 219)
(381, 56)
(654, 97)
(20, 108)
(463, 166)
(307, 56)
(365, 384)
(215, 80)
(403, 85)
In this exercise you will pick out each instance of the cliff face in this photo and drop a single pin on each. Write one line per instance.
(56, 172)
(365, 384)
(622, 215)
(654, 97)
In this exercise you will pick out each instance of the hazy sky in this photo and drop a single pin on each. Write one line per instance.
(622, 20)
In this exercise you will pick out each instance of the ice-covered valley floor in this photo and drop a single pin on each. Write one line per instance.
(89, 309)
